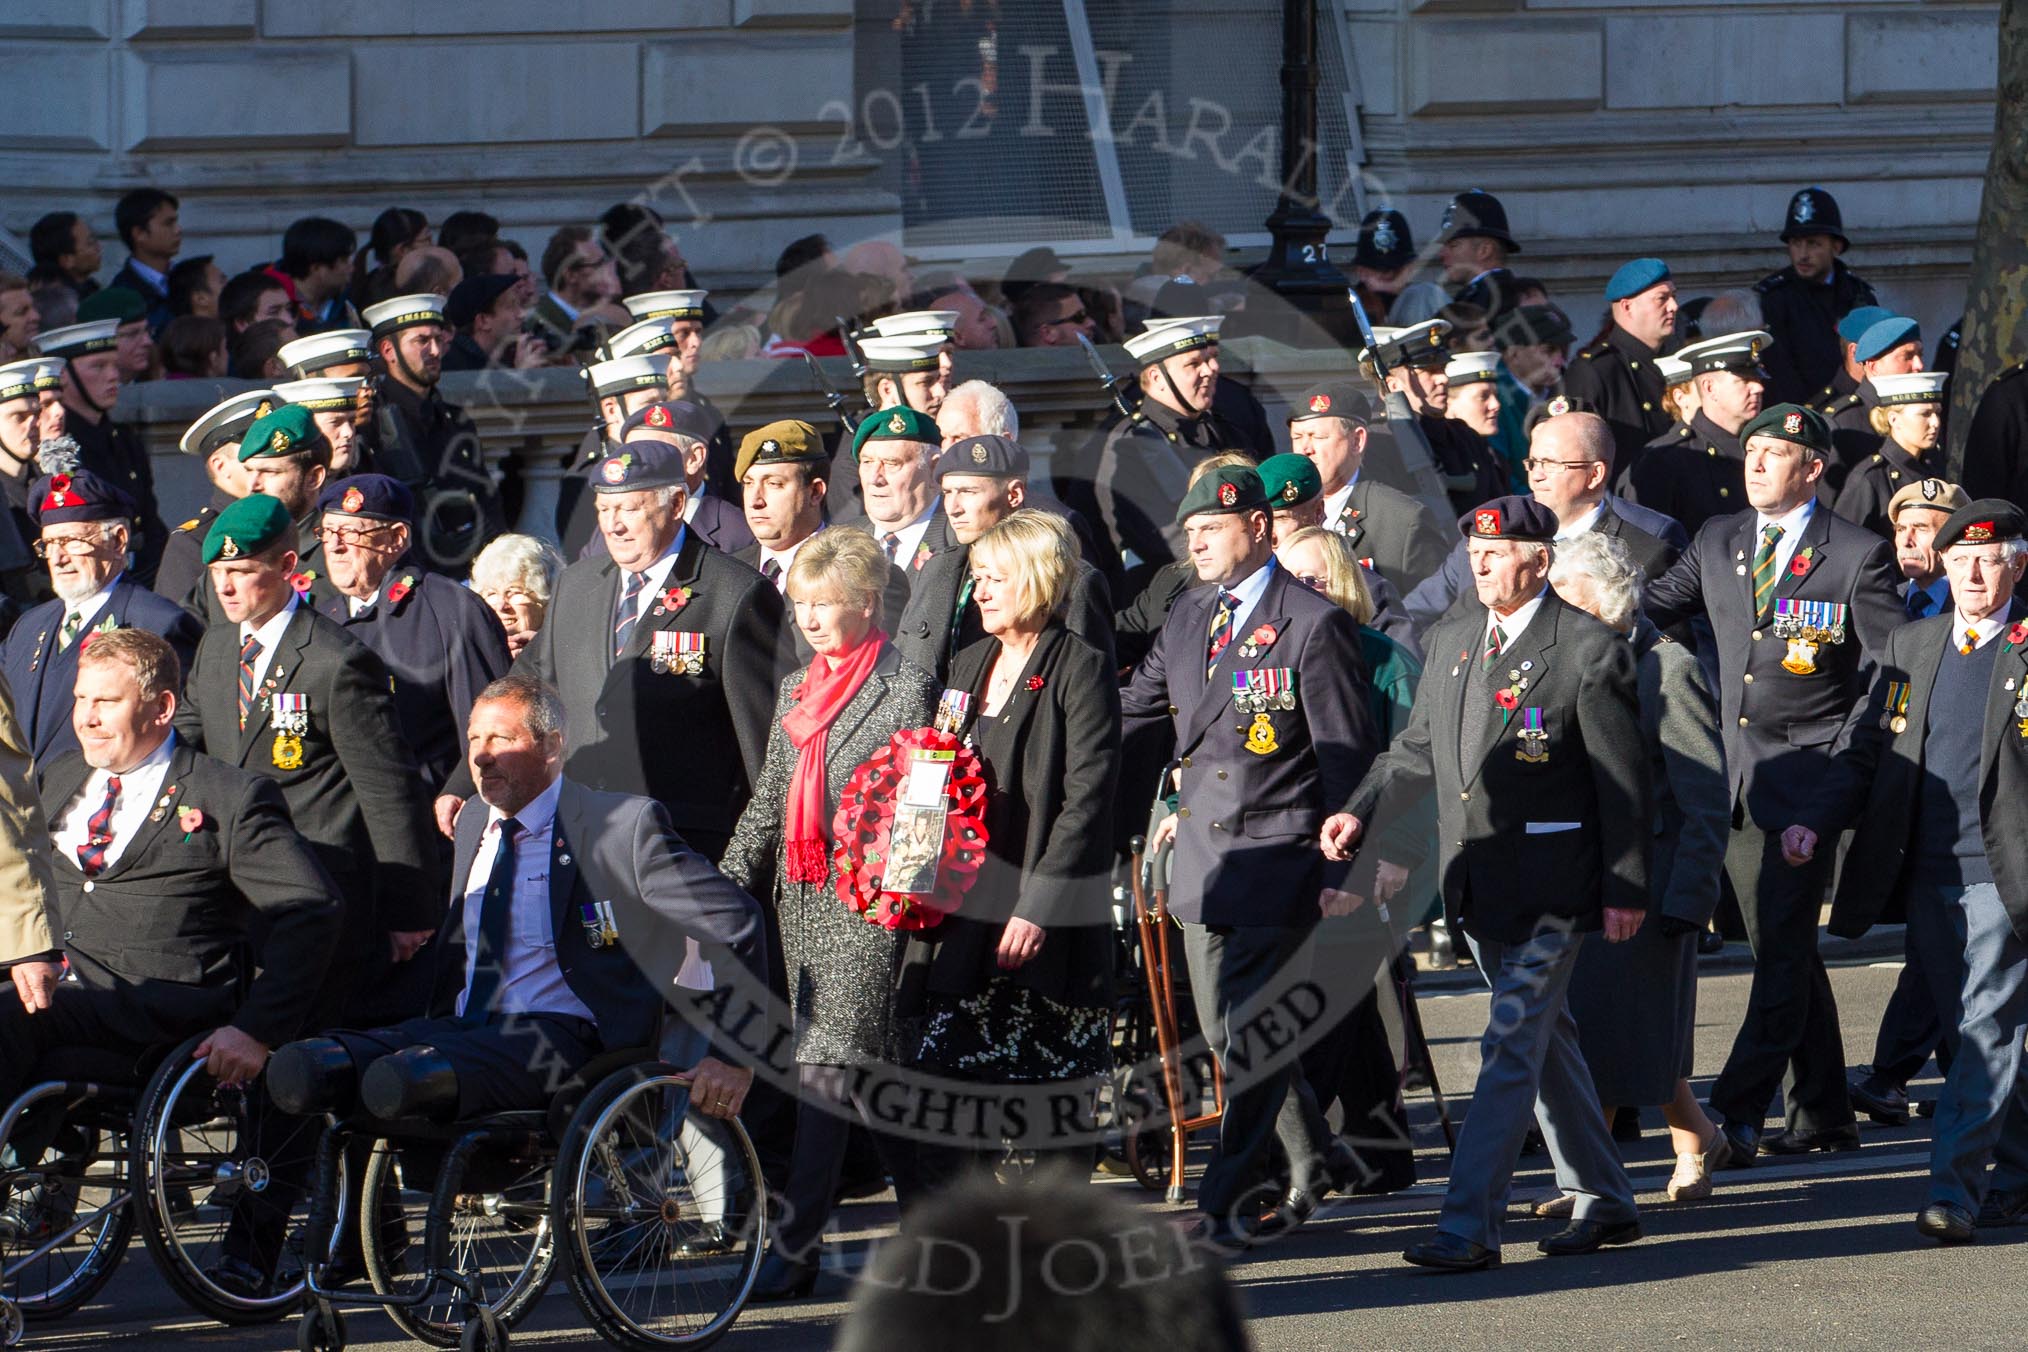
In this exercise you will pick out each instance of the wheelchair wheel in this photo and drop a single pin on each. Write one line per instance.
(499, 1235)
(83, 1186)
(663, 1228)
(213, 1167)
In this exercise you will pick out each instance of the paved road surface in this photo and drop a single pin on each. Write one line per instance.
(1821, 1254)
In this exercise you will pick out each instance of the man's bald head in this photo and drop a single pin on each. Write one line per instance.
(1570, 462)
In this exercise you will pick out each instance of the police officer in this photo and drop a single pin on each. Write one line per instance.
(1391, 533)
(1802, 304)
(1297, 737)
(1890, 346)
(1849, 376)
(1476, 246)
(214, 439)
(1907, 417)
(1696, 478)
(23, 581)
(91, 386)
(1618, 373)
(441, 643)
(1932, 779)
(425, 441)
(619, 386)
(82, 524)
(983, 481)
(1383, 261)
(1800, 603)
(1415, 359)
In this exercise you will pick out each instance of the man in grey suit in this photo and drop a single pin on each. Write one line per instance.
(1527, 726)
(1265, 685)
(1570, 471)
(984, 480)
(571, 914)
(1390, 532)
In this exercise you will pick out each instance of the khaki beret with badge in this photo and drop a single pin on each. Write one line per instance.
(787, 442)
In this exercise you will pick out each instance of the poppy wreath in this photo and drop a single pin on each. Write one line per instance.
(866, 814)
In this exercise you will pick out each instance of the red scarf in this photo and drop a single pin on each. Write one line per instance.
(826, 690)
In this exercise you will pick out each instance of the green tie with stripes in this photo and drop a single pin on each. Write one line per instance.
(1764, 569)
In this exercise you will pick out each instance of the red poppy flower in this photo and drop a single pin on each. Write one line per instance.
(1799, 565)
(672, 600)
(1507, 700)
(2018, 634)
(191, 818)
(301, 582)
(1265, 635)
(1035, 682)
(400, 589)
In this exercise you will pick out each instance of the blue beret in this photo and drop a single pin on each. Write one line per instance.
(77, 496)
(1635, 277)
(676, 415)
(992, 456)
(1509, 518)
(637, 465)
(1883, 337)
(370, 495)
(1861, 318)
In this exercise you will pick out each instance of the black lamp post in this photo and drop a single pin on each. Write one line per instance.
(1298, 268)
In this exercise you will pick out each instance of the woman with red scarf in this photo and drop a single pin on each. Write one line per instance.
(857, 692)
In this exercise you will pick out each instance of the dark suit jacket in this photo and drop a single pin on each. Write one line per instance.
(169, 923)
(618, 848)
(1690, 479)
(156, 297)
(894, 599)
(1780, 726)
(442, 646)
(357, 796)
(930, 632)
(694, 743)
(1246, 845)
(1393, 534)
(42, 675)
(1048, 826)
(1654, 540)
(1522, 842)
(1874, 782)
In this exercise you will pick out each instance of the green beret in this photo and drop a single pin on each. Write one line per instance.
(288, 430)
(246, 527)
(112, 302)
(899, 423)
(1231, 488)
(1290, 480)
(1791, 422)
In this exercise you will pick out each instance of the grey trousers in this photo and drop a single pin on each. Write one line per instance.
(1232, 972)
(1532, 1070)
(1978, 977)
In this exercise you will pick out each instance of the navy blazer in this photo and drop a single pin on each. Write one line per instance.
(42, 675)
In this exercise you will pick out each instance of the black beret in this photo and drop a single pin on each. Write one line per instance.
(1981, 521)
(1509, 518)
(369, 495)
(993, 456)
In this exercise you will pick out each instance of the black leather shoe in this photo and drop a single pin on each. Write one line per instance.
(1589, 1237)
(1295, 1209)
(1945, 1222)
(1800, 1142)
(1742, 1143)
(2003, 1206)
(1449, 1253)
(1925, 1107)
(238, 1277)
(1710, 942)
(1882, 1102)
(783, 1278)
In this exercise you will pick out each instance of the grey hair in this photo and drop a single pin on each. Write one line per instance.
(539, 702)
(522, 561)
(1736, 311)
(992, 411)
(666, 493)
(1609, 566)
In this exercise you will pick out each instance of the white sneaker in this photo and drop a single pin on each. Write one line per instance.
(1690, 1182)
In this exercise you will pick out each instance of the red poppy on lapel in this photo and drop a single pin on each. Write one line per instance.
(1035, 682)
(672, 600)
(1799, 566)
(303, 580)
(401, 589)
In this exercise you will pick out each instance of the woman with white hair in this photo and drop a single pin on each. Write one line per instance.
(1636, 1006)
(516, 575)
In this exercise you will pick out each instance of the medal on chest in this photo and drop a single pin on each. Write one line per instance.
(291, 717)
(599, 927)
(1534, 748)
(678, 651)
(1807, 626)
(1894, 717)
(1257, 692)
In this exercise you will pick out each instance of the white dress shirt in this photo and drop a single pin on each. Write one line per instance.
(1511, 626)
(1589, 521)
(270, 635)
(88, 609)
(139, 788)
(531, 982)
(658, 576)
(1248, 592)
(910, 537)
(1792, 535)
(1987, 629)
(1336, 503)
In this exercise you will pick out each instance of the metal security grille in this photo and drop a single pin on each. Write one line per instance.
(1000, 101)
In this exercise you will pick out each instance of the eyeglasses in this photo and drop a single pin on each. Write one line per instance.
(1081, 317)
(350, 536)
(76, 546)
(1310, 580)
(1534, 463)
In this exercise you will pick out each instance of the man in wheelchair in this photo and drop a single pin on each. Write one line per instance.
(563, 898)
(171, 867)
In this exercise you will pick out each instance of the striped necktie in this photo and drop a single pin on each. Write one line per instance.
(1496, 639)
(1764, 569)
(249, 653)
(630, 612)
(1221, 628)
(72, 622)
(91, 856)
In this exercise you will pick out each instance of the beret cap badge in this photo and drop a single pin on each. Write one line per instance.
(1290, 491)
(658, 416)
(280, 441)
(615, 470)
(1320, 403)
(1792, 423)
(1486, 522)
(1559, 406)
(897, 423)
(1228, 495)
(978, 455)
(771, 447)
(352, 501)
(1978, 532)
(230, 549)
